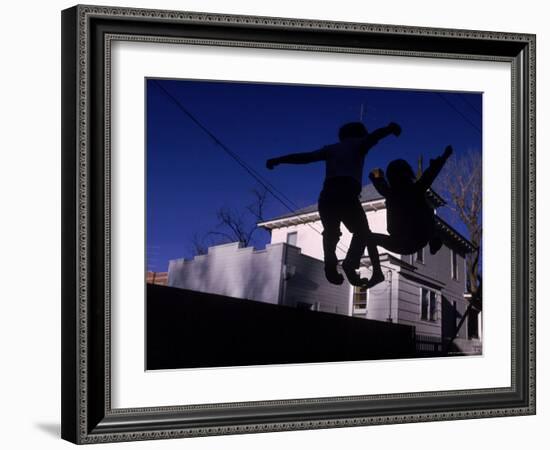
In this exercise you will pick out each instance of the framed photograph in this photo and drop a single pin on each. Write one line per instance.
(277, 224)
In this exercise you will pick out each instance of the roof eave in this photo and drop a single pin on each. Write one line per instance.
(296, 219)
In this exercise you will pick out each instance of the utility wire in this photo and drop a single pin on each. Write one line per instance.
(236, 157)
(282, 198)
(459, 112)
(465, 100)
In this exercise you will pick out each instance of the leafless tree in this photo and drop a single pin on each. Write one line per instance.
(233, 225)
(256, 208)
(461, 182)
(199, 246)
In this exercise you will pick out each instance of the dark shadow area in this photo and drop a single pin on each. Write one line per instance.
(188, 329)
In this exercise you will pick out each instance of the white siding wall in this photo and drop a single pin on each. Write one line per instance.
(435, 269)
(278, 274)
(410, 308)
(232, 271)
(385, 295)
(306, 282)
(438, 266)
(310, 239)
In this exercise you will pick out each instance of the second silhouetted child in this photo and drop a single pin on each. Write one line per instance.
(410, 218)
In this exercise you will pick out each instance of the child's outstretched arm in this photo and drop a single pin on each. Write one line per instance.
(379, 182)
(430, 174)
(381, 133)
(297, 158)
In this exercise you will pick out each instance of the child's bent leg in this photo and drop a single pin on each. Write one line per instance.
(331, 236)
(356, 222)
(330, 240)
(377, 274)
(353, 257)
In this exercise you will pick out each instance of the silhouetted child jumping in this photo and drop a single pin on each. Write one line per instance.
(339, 200)
(410, 219)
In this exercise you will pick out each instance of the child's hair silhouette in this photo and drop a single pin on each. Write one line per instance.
(352, 130)
(400, 174)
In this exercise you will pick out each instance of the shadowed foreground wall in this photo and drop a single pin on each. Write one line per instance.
(188, 329)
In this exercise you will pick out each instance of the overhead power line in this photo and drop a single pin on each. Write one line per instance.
(278, 195)
(465, 100)
(460, 113)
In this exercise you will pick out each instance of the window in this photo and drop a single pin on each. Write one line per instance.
(428, 305)
(292, 238)
(360, 294)
(454, 265)
(420, 255)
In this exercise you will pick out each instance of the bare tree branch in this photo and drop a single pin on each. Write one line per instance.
(257, 208)
(461, 182)
(234, 226)
(198, 245)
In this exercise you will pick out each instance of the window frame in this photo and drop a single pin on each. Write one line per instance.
(355, 292)
(293, 234)
(436, 300)
(422, 259)
(454, 265)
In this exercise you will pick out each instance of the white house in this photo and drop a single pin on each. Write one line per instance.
(423, 290)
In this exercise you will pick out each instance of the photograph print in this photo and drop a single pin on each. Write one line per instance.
(291, 224)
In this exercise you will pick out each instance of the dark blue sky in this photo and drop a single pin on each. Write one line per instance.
(189, 177)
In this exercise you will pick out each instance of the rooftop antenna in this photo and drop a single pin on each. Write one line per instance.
(420, 168)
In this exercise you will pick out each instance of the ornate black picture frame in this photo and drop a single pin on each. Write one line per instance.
(87, 414)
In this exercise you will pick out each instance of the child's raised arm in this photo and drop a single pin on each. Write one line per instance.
(373, 138)
(383, 132)
(297, 158)
(430, 174)
(379, 182)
